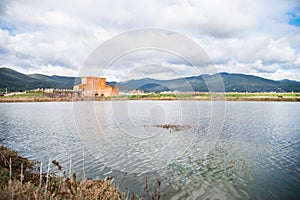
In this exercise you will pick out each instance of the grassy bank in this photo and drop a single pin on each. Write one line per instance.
(268, 96)
(217, 96)
(19, 180)
(235, 96)
(32, 97)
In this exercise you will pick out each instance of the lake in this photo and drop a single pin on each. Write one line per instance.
(197, 149)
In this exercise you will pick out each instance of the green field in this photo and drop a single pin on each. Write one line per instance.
(269, 96)
(216, 96)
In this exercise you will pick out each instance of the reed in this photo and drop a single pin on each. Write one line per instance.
(20, 180)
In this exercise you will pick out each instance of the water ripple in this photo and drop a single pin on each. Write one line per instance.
(256, 157)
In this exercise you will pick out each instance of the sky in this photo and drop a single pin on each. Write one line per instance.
(256, 37)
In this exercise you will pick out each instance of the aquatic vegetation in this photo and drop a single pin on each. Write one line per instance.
(173, 127)
(21, 180)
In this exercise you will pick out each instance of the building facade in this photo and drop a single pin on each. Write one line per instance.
(96, 87)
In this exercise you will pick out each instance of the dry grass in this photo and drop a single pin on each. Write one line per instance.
(20, 180)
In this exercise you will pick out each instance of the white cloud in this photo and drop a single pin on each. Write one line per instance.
(240, 36)
(209, 17)
(257, 68)
(279, 51)
(147, 63)
(258, 65)
(45, 69)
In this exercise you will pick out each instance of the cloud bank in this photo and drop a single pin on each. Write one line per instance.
(55, 37)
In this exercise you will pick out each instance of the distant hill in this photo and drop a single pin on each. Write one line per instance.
(16, 81)
(232, 82)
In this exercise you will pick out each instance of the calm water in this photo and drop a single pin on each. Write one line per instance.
(220, 150)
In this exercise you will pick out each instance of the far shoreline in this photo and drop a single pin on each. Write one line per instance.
(39, 96)
(254, 99)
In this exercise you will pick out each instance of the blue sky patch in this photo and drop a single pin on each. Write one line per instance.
(294, 18)
(6, 27)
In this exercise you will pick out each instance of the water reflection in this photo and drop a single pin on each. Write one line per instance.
(256, 157)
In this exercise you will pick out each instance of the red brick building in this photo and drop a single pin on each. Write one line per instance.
(96, 86)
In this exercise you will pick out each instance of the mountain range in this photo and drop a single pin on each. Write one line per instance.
(16, 81)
